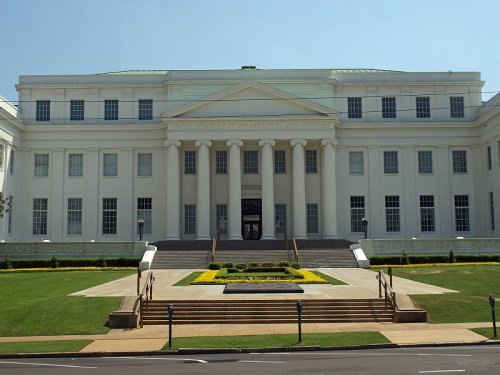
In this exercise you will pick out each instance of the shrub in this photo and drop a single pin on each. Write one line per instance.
(54, 263)
(253, 265)
(268, 264)
(214, 266)
(284, 263)
(451, 256)
(228, 265)
(404, 258)
(295, 265)
(241, 266)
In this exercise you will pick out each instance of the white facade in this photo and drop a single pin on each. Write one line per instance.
(192, 151)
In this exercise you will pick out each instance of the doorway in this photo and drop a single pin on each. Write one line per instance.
(251, 219)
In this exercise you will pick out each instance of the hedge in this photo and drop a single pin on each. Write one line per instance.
(421, 259)
(56, 263)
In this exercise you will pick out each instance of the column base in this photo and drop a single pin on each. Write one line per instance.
(235, 238)
(331, 237)
(300, 237)
(268, 238)
(171, 238)
(204, 238)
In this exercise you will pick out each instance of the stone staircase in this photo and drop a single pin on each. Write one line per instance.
(266, 311)
(187, 259)
(335, 258)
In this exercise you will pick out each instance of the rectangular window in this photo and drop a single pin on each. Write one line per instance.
(459, 161)
(311, 161)
(11, 214)
(43, 110)
(462, 223)
(392, 214)
(144, 164)
(356, 162)
(145, 109)
(144, 212)
(75, 165)
(110, 165)
(456, 106)
(489, 161)
(189, 162)
(357, 213)
(74, 215)
(41, 165)
(389, 107)
(423, 104)
(250, 162)
(391, 162)
(279, 161)
(280, 212)
(76, 110)
(40, 216)
(221, 218)
(425, 162)
(492, 210)
(190, 219)
(354, 109)
(312, 218)
(221, 162)
(427, 220)
(11, 161)
(111, 109)
(109, 215)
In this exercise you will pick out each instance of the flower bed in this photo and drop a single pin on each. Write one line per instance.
(210, 277)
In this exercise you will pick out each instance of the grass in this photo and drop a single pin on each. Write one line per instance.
(487, 332)
(188, 279)
(37, 303)
(61, 346)
(473, 283)
(330, 279)
(280, 340)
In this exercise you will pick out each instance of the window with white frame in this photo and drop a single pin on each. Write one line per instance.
(392, 214)
(145, 164)
(357, 213)
(356, 162)
(250, 162)
(10, 214)
(111, 109)
(41, 165)
(423, 106)
(75, 165)
(427, 219)
(389, 107)
(11, 161)
(280, 213)
(145, 109)
(76, 110)
(189, 162)
(459, 158)
(109, 215)
(279, 161)
(456, 106)
(489, 161)
(110, 165)
(221, 218)
(40, 216)
(354, 109)
(312, 218)
(144, 212)
(74, 216)
(391, 165)
(462, 223)
(43, 110)
(189, 219)
(311, 161)
(491, 202)
(221, 162)
(425, 162)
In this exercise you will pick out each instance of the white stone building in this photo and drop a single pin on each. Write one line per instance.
(250, 152)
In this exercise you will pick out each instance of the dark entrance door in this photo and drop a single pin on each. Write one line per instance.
(251, 219)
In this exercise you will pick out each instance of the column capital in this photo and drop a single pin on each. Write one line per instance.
(236, 142)
(301, 142)
(270, 142)
(329, 141)
(172, 142)
(203, 142)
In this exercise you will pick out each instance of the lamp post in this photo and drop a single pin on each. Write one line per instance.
(364, 224)
(140, 223)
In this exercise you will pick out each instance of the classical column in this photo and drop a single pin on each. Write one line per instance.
(203, 205)
(55, 226)
(299, 189)
(173, 190)
(329, 189)
(234, 189)
(267, 189)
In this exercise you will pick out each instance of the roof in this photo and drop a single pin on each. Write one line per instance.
(350, 70)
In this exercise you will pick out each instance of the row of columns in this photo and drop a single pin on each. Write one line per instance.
(234, 211)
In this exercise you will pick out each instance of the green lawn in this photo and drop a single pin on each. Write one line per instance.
(37, 303)
(188, 279)
(330, 279)
(473, 283)
(487, 332)
(280, 341)
(62, 346)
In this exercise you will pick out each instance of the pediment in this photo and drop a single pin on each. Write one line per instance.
(249, 99)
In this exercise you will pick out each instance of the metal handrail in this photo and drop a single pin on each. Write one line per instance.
(295, 250)
(389, 294)
(214, 248)
(145, 295)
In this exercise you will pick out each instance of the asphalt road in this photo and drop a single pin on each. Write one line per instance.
(441, 360)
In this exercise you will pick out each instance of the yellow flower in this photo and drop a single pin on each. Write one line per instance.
(208, 277)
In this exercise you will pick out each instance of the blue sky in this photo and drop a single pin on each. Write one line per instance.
(92, 36)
